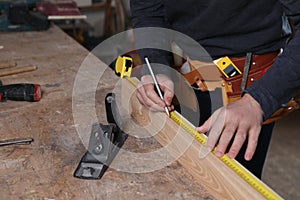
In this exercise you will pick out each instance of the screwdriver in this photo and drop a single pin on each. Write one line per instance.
(156, 84)
(16, 141)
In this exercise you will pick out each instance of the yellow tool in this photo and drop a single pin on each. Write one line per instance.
(253, 181)
(227, 67)
(123, 66)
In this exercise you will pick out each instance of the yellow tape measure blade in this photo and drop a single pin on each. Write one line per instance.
(253, 181)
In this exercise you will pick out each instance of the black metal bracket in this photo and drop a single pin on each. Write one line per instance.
(104, 143)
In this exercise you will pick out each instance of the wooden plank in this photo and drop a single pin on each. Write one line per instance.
(206, 168)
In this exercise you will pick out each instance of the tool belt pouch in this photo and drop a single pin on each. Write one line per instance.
(199, 77)
(257, 67)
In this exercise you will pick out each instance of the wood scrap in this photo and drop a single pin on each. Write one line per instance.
(18, 70)
(4, 65)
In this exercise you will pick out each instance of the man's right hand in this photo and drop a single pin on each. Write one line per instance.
(148, 97)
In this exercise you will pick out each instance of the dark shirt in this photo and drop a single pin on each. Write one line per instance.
(232, 28)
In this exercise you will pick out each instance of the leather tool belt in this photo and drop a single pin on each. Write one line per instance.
(204, 76)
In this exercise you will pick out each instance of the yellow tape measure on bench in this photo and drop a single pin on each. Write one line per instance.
(253, 181)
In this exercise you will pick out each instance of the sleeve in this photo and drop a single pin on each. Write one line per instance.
(149, 23)
(282, 81)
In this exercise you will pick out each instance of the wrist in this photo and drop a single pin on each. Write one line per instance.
(253, 103)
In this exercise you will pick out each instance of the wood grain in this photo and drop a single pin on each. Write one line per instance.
(206, 168)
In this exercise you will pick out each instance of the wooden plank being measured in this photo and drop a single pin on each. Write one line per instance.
(206, 168)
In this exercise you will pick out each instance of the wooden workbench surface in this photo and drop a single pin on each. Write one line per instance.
(44, 169)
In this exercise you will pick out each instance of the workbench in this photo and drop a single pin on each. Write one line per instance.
(44, 169)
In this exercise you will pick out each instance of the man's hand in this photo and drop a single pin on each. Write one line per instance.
(239, 120)
(148, 97)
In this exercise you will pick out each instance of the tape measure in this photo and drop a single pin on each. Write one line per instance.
(227, 67)
(123, 66)
(252, 180)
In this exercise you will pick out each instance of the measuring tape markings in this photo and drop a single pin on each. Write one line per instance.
(232, 164)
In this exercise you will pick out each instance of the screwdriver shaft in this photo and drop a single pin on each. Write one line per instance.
(16, 141)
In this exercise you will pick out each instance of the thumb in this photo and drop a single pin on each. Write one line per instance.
(205, 127)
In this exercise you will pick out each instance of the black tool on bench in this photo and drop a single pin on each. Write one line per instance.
(104, 144)
(20, 92)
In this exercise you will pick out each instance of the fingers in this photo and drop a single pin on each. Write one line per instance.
(147, 95)
(225, 139)
(239, 136)
(237, 144)
(236, 121)
(225, 126)
(205, 127)
(252, 143)
(147, 102)
(239, 140)
(214, 126)
(168, 96)
(167, 87)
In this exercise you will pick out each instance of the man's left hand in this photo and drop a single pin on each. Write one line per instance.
(239, 120)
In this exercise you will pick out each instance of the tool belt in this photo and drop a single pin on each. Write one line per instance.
(252, 69)
(257, 66)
